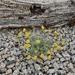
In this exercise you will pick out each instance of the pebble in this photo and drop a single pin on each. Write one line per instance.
(10, 66)
(9, 71)
(50, 71)
(70, 73)
(16, 72)
(37, 67)
(2, 65)
(62, 59)
(25, 71)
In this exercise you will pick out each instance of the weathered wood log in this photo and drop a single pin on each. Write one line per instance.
(24, 13)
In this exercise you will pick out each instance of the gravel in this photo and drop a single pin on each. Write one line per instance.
(13, 61)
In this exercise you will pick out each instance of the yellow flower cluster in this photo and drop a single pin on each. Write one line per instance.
(35, 57)
(42, 55)
(35, 51)
(63, 43)
(38, 41)
(27, 45)
(29, 57)
(57, 33)
(57, 46)
(24, 29)
(42, 27)
(27, 34)
(48, 57)
(27, 41)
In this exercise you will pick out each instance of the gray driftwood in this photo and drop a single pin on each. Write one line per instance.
(17, 13)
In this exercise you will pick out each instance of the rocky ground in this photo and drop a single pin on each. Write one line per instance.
(13, 62)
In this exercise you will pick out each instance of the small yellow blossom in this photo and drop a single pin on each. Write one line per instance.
(48, 52)
(35, 57)
(27, 41)
(42, 27)
(50, 30)
(57, 33)
(27, 45)
(51, 49)
(19, 34)
(27, 34)
(46, 44)
(63, 42)
(29, 57)
(35, 51)
(42, 55)
(55, 44)
(48, 57)
(55, 37)
(38, 41)
(24, 29)
(58, 48)
(45, 30)
(33, 27)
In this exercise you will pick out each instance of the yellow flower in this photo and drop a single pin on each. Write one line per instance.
(35, 51)
(58, 48)
(51, 49)
(38, 41)
(63, 42)
(27, 41)
(42, 55)
(45, 30)
(27, 34)
(35, 57)
(27, 45)
(46, 44)
(48, 57)
(19, 34)
(57, 33)
(55, 44)
(29, 57)
(50, 30)
(24, 29)
(42, 27)
(33, 27)
(48, 52)
(55, 37)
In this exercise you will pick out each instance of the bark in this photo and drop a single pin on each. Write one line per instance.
(17, 13)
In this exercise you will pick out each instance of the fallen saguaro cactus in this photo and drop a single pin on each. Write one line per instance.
(24, 13)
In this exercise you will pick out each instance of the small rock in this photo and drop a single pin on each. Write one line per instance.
(3, 65)
(73, 51)
(9, 71)
(11, 58)
(46, 68)
(16, 72)
(40, 73)
(25, 71)
(73, 58)
(70, 65)
(56, 65)
(37, 67)
(70, 73)
(50, 71)
(62, 59)
(10, 66)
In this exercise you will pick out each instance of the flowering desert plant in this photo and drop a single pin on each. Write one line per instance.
(40, 46)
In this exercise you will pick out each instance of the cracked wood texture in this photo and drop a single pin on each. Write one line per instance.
(17, 13)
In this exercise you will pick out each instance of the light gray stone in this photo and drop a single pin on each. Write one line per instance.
(25, 71)
(9, 71)
(3, 65)
(50, 71)
(37, 67)
(62, 59)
